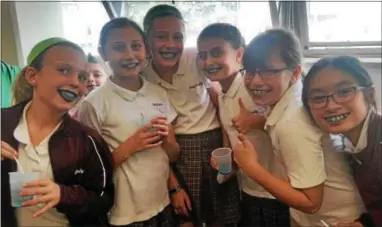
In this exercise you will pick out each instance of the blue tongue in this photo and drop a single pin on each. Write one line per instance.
(68, 96)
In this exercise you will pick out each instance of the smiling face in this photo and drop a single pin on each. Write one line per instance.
(166, 41)
(125, 51)
(97, 76)
(337, 117)
(267, 86)
(218, 59)
(60, 83)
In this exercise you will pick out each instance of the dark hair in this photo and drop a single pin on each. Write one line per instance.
(347, 64)
(264, 45)
(116, 23)
(225, 31)
(22, 90)
(160, 11)
(92, 59)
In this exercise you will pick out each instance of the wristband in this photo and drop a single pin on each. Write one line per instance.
(176, 189)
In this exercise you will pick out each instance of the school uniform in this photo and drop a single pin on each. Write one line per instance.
(73, 156)
(198, 133)
(259, 207)
(366, 162)
(141, 191)
(305, 156)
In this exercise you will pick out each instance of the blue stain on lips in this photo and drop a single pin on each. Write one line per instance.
(67, 95)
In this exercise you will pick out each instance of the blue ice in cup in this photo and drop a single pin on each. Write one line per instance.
(223, 158)
(16, 181)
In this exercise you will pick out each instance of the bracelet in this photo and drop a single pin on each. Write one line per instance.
(176, 189)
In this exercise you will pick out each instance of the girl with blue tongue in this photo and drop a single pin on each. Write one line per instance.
(73, 162)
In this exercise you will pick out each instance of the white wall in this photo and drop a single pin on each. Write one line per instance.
(9, 48)
(37, 21)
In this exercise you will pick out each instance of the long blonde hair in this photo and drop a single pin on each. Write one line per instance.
(22, 90)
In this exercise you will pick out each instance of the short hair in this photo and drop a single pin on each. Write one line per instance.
(225, 31)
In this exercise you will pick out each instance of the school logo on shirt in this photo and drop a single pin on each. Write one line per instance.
(196, 85)
(159, 106)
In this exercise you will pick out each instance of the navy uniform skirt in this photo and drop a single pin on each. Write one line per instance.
(211, 202)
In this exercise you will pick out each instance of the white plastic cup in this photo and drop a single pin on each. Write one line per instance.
(16, 181)
(223, 157)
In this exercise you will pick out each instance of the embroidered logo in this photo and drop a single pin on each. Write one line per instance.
(196, 85)
(160, 107)
(79, 171)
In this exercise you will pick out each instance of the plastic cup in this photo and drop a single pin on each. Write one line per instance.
(223, 158)
(16, 181)
(144, 121)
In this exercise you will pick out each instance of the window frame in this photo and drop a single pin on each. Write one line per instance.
(370, 49)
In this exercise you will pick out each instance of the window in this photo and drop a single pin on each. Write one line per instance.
(351, 22)
(83, 22)
(250, 17)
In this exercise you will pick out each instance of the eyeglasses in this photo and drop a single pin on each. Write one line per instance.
(266, 74)
(339, 96)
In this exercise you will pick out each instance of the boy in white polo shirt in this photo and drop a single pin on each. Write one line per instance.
(133, 116)
(197, 127)
(312, 179)
(221, 48)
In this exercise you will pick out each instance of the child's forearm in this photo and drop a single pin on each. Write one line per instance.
(172, 180)
(122, 152)
(172, 148)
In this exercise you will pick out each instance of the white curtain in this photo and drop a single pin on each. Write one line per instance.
(289, 14)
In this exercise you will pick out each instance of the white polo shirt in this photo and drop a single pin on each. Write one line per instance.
(141, 181)
(228, 109)
(305, 156)
(189, 96)
(36, 159)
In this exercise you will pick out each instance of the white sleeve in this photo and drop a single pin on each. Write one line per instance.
(87, 115)
(301, 150)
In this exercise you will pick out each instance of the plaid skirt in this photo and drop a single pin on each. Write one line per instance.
(264, 212)
(164, 219)
(211, 202)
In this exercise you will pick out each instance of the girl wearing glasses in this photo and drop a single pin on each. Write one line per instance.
(314, 181)
(338, 93)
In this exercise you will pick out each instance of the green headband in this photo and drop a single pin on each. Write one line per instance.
(45, 44)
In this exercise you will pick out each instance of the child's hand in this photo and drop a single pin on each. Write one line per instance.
(245, 154)
(144, 139)
(241, 122)
(46, 191)
(181, 203)
(161, 124)
(214, 164)
(7, 151)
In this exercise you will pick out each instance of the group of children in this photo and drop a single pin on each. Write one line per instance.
(137, 150)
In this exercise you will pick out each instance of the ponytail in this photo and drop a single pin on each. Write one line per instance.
(22, 90)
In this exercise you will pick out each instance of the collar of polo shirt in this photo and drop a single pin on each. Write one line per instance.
(232, 91)
(181, 71)
(126, 94)
(291, 97)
